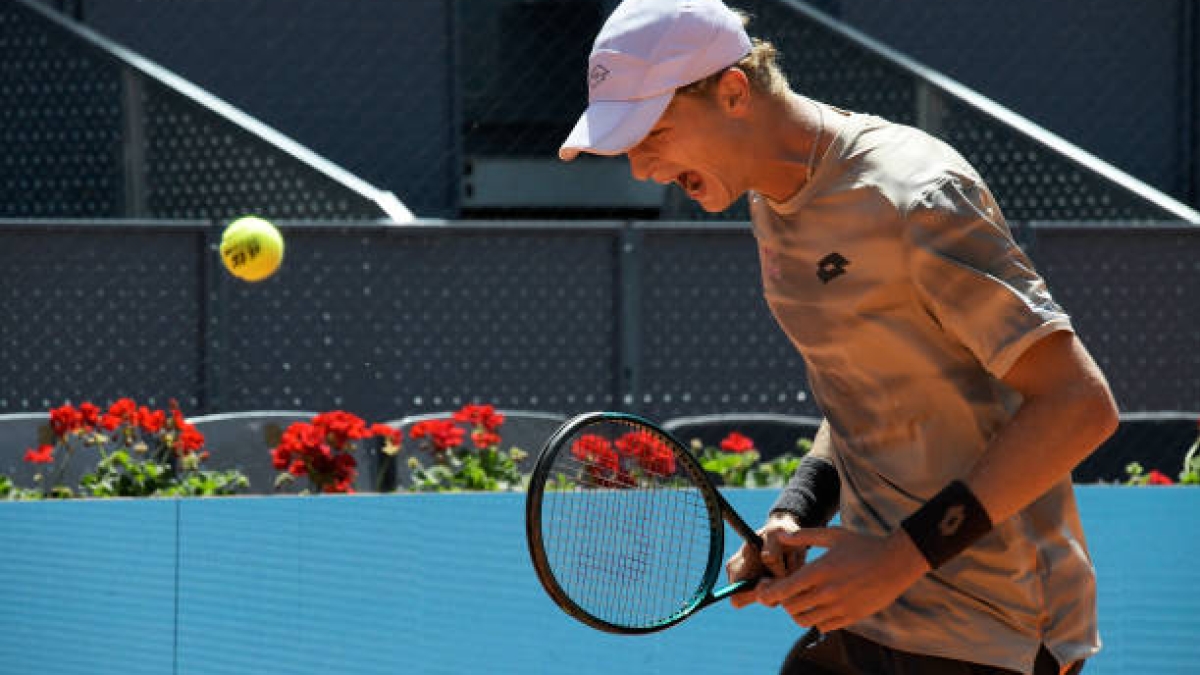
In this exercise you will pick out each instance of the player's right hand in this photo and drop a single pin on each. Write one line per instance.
(774, 560)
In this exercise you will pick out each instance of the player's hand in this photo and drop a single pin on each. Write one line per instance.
(774, 560)
(857, 576)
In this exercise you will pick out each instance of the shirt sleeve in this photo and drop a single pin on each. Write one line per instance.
(973, 278)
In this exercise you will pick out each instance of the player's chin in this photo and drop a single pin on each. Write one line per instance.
(715, 203)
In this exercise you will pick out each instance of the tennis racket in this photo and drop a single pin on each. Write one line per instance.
(625, 529)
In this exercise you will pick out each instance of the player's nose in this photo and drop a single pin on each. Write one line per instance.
(639, 164)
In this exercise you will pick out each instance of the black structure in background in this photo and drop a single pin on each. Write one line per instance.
(457, 107)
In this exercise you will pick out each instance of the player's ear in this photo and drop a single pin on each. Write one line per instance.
(733, 91)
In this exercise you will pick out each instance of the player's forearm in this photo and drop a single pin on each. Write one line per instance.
(1046, 439)
(1067, 410)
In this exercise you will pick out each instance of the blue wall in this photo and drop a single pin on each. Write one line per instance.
(442, 584)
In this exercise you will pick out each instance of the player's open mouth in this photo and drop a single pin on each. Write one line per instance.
(691, 183)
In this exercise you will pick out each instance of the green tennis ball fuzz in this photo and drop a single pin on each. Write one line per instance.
(251, 248)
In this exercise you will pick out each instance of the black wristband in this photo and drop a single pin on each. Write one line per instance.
(813, 493)
(947, 524)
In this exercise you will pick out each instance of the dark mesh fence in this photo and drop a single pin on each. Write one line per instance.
(393, 322)
(97, 312)
(1119, 80)
(707, 340)
(383, 321)
(86, 134)
(197, 165)
(459, 109)
(60, 124)
(390, 321)
(1134, 297)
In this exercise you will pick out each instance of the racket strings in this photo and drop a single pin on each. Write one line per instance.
(627, 540)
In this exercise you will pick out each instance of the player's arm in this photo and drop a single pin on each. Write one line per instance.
(1067, 411)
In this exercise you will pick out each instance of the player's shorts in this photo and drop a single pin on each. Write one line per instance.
(844, 653)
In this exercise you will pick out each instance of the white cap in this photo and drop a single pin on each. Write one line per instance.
(645, 51)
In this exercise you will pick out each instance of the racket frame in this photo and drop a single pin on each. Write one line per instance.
(719, 510)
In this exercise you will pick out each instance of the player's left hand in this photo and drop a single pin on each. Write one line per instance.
(857, 576)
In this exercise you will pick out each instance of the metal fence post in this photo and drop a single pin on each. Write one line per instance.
(1189, 101)
(133, 146)
(211, 323)
(629, 324)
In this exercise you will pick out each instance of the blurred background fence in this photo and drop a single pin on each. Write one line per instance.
(388, 320)
(457, 106)
(131, 130)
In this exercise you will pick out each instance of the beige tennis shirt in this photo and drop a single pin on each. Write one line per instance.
(894, 273)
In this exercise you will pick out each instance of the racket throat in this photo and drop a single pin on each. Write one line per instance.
(736, 587)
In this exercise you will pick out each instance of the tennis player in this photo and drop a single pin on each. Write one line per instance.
(956, 396)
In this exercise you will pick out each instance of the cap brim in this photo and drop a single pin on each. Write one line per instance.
(612, 127)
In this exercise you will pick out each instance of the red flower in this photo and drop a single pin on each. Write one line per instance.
(91, 414)
(1156, 477)
(393, 436)
(321, 450)
(651, 452)
(66, 420)
(480, 416)
(189, 439)
(341, 428)
(122, 411)
(485, 439)
(597, 453)
(43, 455)
(638, 443)
(736, 442)
(151, 421)
(443, 434)
(299, 441)
(659, 461)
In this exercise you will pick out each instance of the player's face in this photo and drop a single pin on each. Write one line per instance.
(694, 145)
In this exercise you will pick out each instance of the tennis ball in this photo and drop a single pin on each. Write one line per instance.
(251, 248)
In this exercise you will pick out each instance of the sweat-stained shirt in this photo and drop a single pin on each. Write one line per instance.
(895, 275)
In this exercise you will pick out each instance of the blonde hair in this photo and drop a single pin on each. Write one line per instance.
(761, 67)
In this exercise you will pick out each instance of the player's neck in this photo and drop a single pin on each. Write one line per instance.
(794, 134)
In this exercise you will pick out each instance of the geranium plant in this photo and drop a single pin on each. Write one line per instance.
(737, 462)
(454, 464)
(1188, 475)
(323, 450)
(1137, 475)
(139, 452)
(1191, 465)
(622, 463)
(639, 455)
